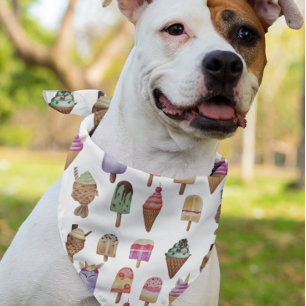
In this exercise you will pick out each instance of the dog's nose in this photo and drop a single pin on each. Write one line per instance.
(222, 66)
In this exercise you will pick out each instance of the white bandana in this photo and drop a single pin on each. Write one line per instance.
(134, 237)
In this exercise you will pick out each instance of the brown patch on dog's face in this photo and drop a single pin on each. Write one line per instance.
(236, 21)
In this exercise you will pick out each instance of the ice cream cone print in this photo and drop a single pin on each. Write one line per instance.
(152, 208)
(206, 258)
(84, 191)
(177, 256)
(218, 174)
(75, 148)
(179, 289)
(75, 241)
(183, 183)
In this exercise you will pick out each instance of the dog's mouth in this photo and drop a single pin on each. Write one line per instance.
(215, 113)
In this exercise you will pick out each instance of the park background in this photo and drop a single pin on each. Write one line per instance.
(71, 45)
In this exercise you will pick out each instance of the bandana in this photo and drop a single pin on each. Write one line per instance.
(134, 238)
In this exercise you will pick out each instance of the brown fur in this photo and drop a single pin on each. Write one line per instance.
(224, 14)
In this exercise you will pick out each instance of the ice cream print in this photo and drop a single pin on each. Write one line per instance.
(218, 174)
(75, 241)
(141, 250)
(179, 289)
(107, 246)
(103, 102)
(75, 148)
(151, 290)
(121, 201)
(123, 282)
(109, 165)
(184, 182)
(89, 274)
(206, 258)
(152, 207)
(192, 210)
(177, 256)
(152, 241)
(150, 179)
(84, 191)
(63, 102)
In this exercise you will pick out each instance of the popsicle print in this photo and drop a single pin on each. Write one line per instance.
(141, 250)
(107, 246)
(111, 166)
(122, 283)
(121, 201)
(192, 210)
(183, 183)
(151, 290)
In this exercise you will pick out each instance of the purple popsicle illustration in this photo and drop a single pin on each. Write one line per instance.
(109, 165)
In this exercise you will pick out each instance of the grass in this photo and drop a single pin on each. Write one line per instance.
(260, 240)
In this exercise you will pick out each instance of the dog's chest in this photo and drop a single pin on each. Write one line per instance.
(132, 235)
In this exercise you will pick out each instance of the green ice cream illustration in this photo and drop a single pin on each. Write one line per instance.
(86, 179)
(177, 256)
(63, 102)
(121, 201)
(179, 250)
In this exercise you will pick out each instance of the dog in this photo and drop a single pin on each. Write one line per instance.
(187, 84)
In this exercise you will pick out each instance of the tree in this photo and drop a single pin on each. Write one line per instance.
(57, 56)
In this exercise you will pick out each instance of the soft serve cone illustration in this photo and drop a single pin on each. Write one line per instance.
(84, 191)
(179, 289)
(152, 207)
(177, 256)
(75, 241)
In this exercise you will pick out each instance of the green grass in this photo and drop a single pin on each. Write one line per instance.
(260, 240)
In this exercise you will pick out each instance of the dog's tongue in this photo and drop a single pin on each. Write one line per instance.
(216, 112)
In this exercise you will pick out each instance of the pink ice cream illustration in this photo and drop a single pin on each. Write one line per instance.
(123, 282)
(109, 165)
(151, 290)
(179, 289)
(75, 148)
(141, 250)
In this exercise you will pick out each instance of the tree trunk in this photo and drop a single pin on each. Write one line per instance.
(248, 146)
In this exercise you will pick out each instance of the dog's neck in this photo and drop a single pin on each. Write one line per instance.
(133, 134)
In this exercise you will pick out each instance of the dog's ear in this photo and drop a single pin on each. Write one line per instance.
(270, 10)
(132, 9)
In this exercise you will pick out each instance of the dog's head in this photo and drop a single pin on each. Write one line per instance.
(202, 61)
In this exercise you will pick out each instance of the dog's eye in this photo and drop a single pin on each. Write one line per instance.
(246, 35)
(175, 29)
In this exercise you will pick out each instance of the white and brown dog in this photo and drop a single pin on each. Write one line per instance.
(188, 82)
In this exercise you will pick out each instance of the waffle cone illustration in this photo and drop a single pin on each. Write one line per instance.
(149, 218)
(84, 191)
(98, 117)
(103, 102)
(75, 148)
(177, 256)
(174, 265)
(214, 181)
(152, 208)
(75, 241)
(179, 289)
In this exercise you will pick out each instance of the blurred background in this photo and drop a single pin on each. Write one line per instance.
(72, 45)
